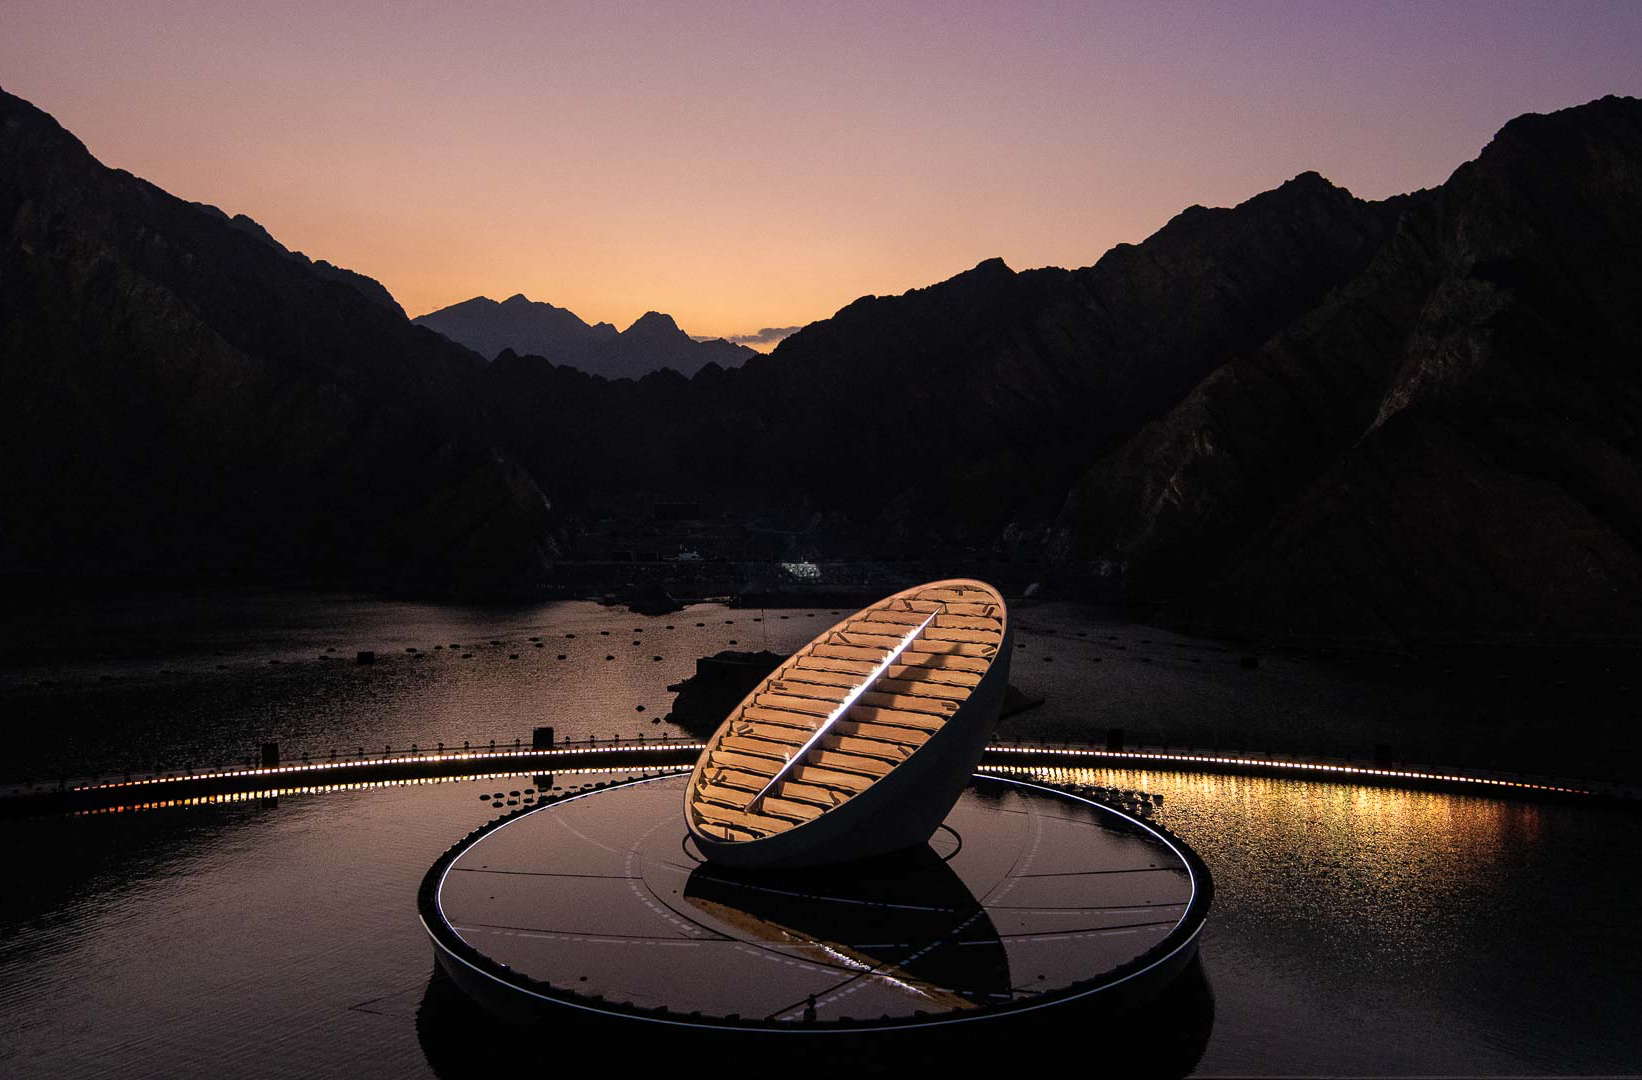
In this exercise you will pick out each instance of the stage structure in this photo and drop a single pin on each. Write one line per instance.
(832, 863)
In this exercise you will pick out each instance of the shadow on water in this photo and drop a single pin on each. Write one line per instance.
(1163, 1037)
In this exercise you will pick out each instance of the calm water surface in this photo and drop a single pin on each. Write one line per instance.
(1355, 930)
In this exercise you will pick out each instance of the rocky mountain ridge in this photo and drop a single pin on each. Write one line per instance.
(653, 342)
(952, 410)
(184, 396)
(1448, 449)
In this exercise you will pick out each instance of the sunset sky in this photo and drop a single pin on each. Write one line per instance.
(742, 166)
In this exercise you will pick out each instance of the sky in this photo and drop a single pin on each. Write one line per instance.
(743, 166)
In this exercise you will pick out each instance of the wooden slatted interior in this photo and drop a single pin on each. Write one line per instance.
(885, 723)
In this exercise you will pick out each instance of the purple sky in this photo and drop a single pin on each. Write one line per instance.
(742, 165)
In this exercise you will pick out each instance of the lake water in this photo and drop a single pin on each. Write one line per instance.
(1355, 930)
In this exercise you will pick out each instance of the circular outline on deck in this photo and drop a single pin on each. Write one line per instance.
(499, 988)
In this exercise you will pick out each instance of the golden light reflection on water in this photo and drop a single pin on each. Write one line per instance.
(1372, 867)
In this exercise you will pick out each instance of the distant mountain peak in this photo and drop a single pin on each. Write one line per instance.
(533, 328)
(1309, 178)
(653, 322)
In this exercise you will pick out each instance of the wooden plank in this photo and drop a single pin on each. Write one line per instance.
(811, 662)
(756, 747)
(891, 752)
(788, 703)
(841, 681)
(941, 661)
(777, 806)
(867, 641)
(756, 824)
(724, 795)
(948, 648)
(833, 759)
(969, 622)
(933, 675)
(852, 782)
(735, 778)
(922, 688)
(817, 795)
(867, 714)
(908, 702)
(899, 736)
(748, 763)
(784, 737)
(846, 652)
(729, 803)
(895, 616)
(952, 596)
(888, 622)
(799, 687)
(803, 722)
(963, 633)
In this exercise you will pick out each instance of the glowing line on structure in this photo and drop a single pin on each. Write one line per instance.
(844, 706)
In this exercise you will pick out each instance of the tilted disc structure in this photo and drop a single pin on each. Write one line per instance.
(862, 741)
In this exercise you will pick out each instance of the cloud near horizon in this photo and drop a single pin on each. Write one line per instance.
(768, 337)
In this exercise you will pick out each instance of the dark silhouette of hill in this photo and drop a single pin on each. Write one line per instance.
(956, 409)
(1310, 415)
(653, 342)
(1410, 421)
(1449, 447)
(369, 287)
(183, 395)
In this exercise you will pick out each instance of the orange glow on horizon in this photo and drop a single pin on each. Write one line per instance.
(741, 167)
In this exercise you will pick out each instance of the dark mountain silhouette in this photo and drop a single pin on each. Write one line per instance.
(1406, 421)
(369, 287)
(183, 395)
(956, 409)
(487, 327)
(1448, 447)
(653, 342)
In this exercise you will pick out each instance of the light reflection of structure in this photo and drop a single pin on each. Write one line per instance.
(860, 742)
(1027, 898)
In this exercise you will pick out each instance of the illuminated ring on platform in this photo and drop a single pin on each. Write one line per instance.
(515, 995)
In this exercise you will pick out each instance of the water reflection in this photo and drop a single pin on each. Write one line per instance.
(906, 917)
(1355, 930)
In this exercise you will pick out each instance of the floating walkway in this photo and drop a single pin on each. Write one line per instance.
(187, 787)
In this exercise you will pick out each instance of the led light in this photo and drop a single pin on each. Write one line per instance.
(844, 706)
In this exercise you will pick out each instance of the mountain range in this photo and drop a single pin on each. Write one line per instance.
(183, 396)
(1399, 422)
(653, 342)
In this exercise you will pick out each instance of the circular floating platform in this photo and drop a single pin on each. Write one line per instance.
(1027, 897)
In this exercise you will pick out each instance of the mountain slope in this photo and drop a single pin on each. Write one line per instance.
(1449, 448)
(182, 395)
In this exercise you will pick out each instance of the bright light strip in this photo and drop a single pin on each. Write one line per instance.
(843, 707)
(1301, 766)
(357, 785)
(406, 759)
